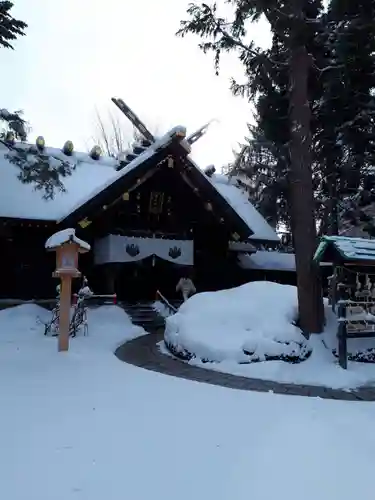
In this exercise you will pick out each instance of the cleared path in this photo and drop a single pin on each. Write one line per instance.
(144, 352)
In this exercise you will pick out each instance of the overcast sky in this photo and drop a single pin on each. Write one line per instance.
(79, 53)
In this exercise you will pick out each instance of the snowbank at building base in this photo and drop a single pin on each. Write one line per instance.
(227, 331)
(254, 322)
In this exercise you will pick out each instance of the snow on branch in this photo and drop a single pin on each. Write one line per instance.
(223, 36)
(42, 170)
(14, 123)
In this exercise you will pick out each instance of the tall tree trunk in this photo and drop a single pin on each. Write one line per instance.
(308, 281)
(333, 201)
(332, 222)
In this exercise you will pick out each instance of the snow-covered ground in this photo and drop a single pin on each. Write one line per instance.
(258, 319)
(83, 425)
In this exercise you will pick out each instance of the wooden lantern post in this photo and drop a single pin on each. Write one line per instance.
(67, 247)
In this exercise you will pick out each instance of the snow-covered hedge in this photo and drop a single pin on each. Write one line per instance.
(254, 322)
(364, 356)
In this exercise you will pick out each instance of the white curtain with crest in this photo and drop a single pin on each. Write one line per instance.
(116, 248)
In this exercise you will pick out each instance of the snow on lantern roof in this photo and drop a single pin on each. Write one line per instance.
(349, 249)
(65, 236)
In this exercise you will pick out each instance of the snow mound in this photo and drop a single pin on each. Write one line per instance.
(254, 322)
(22, 321)
(109, 327)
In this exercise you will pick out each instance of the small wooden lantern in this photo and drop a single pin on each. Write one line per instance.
(67, 247)
(67, 260)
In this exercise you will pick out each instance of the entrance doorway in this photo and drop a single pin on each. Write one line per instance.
(139, 281)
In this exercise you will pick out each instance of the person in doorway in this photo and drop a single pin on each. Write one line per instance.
(186, 287)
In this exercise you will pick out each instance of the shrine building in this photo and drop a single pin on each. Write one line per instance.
(150, 217)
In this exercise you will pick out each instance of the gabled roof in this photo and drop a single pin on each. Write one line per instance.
(173, 145)
(129, 171)
(94, 183)
(349, 250)
(219, 189)
(239, 200)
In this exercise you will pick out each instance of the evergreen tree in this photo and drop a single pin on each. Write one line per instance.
(44, 171)
(272, 123)
(346, 111)
(354, 53)
(265, 158)
(262, 167)
(14, 123)
(294, 24)
(35, 165)
(10, 28)
(341, 91)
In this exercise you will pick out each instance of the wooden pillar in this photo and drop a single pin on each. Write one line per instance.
(65, 302)
(342, 336)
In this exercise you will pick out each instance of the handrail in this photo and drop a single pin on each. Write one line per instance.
(94, 296)
(166, 302)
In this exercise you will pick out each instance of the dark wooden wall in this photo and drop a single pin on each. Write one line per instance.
(164, 206)
(26, 268)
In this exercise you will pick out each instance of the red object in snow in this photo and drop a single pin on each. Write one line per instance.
(114, 299)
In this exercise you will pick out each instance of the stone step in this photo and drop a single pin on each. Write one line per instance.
(146, 320)
(144, 315)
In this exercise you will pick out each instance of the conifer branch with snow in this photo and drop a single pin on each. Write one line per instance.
(10, 28)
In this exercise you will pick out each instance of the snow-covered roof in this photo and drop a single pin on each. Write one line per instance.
(65, 236)
(353, 249)
(148, 153)
(18, 200)
(272, 261)
(91, 177)
(239, 200)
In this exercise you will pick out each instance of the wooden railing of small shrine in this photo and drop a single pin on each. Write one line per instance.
(356, 319)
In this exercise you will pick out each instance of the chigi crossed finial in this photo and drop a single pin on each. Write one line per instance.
(141, 127)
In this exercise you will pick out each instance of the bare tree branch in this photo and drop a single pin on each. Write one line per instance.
(110, 135)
